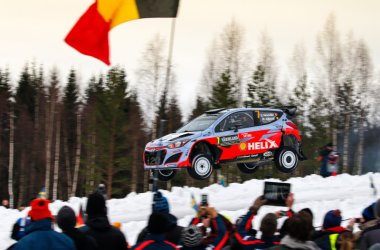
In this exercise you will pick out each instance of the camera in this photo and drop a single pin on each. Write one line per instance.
(204, 200)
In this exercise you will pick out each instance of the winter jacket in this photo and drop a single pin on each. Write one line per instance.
(107, 237)
(248, 241)
(210, 238)
(369, 237)
(18, 230)
(155, 242)
(220, 239)
(289, 243)
(173, 235)
(81, 240)
(327, 239)
(40, 235)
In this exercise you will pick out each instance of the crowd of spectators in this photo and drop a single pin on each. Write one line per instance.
(207, 230)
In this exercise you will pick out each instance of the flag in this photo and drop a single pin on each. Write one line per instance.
(194, 203)
(42, 193)
(90, 34)
(80, 217)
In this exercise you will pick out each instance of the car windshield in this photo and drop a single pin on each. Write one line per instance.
(200, 123)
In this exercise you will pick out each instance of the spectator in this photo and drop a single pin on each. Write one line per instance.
(160, 205)
(299, 232)
(202, 213)
(332, 232)
(371, 235)
(66, 220)
(97, 225)
(5, 203)
(39, 234)
(157, 227)
(196, 238)
(18, 230)
(268, 228)
(102, 190)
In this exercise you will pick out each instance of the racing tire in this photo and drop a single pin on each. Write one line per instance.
(286, 159)
(201, 167)
(248, 168)
(166, 174)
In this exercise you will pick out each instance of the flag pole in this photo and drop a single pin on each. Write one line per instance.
(154, 175)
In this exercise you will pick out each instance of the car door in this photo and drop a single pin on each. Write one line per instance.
(266, 135)
(232, 131)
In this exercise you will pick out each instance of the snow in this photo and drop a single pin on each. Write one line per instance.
(350, 194)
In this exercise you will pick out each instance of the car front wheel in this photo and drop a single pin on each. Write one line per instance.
(201, 167)
(248, 168)
(286, 159)
(166, 174)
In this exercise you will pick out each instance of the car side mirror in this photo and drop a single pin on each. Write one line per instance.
(236, 126)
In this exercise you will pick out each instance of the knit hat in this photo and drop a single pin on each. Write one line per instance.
(66, 218)
(158, 223)
(160, 203)
(40, 209)
(332, 218)
(96, 206)
(192, 236)
(368, 212)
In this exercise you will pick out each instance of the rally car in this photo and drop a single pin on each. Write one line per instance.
(245, 137)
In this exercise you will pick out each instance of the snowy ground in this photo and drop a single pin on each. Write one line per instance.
(348, 193)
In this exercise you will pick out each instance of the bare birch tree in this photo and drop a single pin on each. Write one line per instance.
(11, 152)
(77, 152)
(364, 69)
(330, 59)
(57, 154)
(151, 81)
(50, 117)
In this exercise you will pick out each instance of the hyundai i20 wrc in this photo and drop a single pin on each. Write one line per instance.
(245, 137)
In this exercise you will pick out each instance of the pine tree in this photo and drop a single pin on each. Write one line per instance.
(223, 93)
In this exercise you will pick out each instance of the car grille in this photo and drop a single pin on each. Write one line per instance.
(173, 158)
(154, 158)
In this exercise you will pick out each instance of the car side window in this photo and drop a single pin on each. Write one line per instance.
(244, 119)
(267, 117)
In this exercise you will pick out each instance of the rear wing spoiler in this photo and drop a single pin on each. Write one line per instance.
(289, 110)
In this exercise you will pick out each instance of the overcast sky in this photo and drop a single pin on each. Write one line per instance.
(35, 29)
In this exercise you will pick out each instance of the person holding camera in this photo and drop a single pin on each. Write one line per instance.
(201, 236)
(245, 235)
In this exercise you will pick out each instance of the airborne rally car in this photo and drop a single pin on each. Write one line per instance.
(245, 137)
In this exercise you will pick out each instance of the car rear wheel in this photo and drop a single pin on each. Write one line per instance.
(201, 167)
(166, 174)
(248, 168)
(286, 159)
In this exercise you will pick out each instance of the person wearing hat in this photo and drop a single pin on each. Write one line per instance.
(66, 220)
(40, 234)
(371, 235)
(328, 237)
(194, 237)
(161, 205)
(98, 226)
(157, 227)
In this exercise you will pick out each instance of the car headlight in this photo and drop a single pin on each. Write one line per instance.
(178, 144)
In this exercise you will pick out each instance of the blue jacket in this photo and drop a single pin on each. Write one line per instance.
(40, 235)
(248, 241)
(154, 242)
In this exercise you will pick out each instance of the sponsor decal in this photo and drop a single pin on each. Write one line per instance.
(226, 141)
(266, 144)
(243, 146)
(267, 154)
(245, 135)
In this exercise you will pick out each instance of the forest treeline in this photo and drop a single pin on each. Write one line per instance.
(55, 135)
